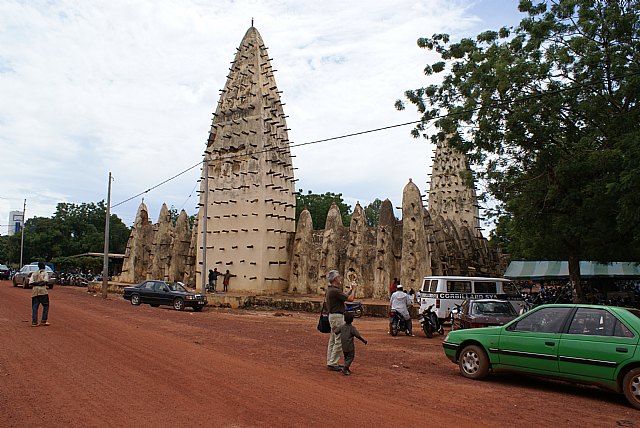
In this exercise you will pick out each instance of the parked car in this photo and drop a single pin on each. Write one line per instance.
(589, 344)
(156, 293)
(482, 313)
(23, 276)
(5, 272)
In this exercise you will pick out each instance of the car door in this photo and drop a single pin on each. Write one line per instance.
(595, 344)
(147, 292)
(30, 270)
(162, 294)
(531, 344)
(23, 275)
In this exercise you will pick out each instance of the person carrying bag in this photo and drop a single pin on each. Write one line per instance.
(323, 322)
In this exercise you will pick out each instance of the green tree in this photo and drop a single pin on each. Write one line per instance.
(548, 113)
(372, 212)
(4, 243)
(73, 229)
(174, 214)
(318, 206)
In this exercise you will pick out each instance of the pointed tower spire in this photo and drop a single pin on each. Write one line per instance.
(449, 195)
(251, 201)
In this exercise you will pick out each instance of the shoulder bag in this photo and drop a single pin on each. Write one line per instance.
(323, 322)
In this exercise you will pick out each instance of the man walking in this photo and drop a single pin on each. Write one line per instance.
(39, 296)
(335, 299)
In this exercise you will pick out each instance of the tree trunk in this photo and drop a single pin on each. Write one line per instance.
(574, 279)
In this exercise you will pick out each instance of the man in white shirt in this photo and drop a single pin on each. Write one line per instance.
(401, 302)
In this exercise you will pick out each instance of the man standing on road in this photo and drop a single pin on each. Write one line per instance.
(335, 299)
(39, 296)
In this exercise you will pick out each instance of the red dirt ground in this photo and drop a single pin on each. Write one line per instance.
(108, 363)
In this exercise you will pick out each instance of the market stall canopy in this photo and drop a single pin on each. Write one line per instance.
(557, 269)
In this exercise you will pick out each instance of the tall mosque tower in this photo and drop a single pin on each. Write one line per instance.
(449, 196)
(250, 200)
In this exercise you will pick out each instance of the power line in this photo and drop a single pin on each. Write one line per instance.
(157, 185)
(190, 194)
(442, 116)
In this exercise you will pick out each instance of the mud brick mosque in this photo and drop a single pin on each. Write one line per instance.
(248, 189)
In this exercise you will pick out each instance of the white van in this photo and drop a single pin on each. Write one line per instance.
(446, 291)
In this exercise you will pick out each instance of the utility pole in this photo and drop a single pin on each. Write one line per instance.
(205, 175)
(105, 264)
(24, 209)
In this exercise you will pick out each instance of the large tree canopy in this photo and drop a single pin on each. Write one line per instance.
(73, 229)
(548, 113)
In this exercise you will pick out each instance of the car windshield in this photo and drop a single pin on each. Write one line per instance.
(492, 308)
(3, 267)
(177, 286)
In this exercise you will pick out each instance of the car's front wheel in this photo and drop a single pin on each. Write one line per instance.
(631, 387)
(135, 299)
(178, 304)
(473, 362)
(15, 283)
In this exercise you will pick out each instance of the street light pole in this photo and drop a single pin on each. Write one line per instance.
(105, 264)
(24, 209)
(205, 170)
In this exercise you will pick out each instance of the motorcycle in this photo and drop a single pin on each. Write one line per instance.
(355, 308)
(430, 322)
(398, 323)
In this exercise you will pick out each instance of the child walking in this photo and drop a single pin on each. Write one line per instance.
(347, 333)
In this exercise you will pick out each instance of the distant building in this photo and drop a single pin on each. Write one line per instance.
(15, 222)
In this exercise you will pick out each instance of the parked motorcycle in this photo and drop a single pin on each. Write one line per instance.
(430, 322)
(355, 308)
(398, 323)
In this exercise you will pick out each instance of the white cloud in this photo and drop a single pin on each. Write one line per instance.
(129, 87)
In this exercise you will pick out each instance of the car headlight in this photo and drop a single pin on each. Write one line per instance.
(190, 297)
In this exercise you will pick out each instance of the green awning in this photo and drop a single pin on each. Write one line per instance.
(557, 269)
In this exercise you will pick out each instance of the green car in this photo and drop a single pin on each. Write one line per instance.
(580, 343)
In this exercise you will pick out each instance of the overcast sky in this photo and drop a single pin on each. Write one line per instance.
(88, 87)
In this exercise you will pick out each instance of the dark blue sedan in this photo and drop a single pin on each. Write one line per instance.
(156, 293)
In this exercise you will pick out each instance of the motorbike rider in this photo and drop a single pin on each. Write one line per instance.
(401, 302)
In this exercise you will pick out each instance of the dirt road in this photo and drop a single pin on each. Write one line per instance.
(108, 363)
